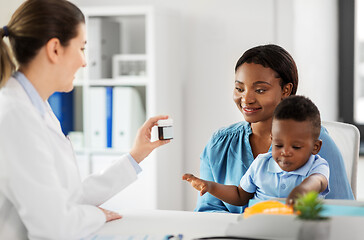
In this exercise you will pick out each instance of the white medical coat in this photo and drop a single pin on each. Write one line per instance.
(41, 193)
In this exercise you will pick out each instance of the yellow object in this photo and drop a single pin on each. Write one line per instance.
(268, 207)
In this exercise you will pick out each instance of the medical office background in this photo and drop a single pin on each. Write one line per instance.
(191, 53)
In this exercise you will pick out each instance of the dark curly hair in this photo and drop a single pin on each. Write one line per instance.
(299, 108)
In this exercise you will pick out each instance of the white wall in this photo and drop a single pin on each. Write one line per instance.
(316, 53)
(216, 33)
(308, 30)
(7, 7)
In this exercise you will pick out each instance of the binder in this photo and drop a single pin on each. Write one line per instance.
(62, 106)
(128, 116)
(109, 113)
(98, 120)
(104, 35)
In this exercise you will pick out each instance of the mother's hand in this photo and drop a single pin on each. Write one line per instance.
(143, 145)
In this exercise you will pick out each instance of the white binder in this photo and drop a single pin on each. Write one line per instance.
(98, 117)
(128, 116)
(104, 42)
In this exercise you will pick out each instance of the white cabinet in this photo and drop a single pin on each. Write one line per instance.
(135, 52)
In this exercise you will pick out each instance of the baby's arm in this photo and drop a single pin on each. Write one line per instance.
(228, 193)
(315, 182)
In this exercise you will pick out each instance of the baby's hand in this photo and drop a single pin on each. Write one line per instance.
(198, 184)
(295, 193)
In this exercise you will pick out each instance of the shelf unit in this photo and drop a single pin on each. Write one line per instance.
(149, 39)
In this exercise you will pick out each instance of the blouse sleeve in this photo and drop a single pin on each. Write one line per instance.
(225, 160)
(338, 182)
(207, 202)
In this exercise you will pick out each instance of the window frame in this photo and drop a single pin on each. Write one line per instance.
(346, 12)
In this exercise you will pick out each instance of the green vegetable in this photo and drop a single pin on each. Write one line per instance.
(309, 206)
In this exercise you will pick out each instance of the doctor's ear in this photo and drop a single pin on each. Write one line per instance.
(53, 49)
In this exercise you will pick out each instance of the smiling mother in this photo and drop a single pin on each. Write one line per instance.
(264, 75)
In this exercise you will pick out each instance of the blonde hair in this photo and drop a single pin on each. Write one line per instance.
(7, 65)
(32, 25)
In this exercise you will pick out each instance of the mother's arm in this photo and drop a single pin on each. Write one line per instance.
(338, 182)
(224, 161)
(207, 202)
(220, 163)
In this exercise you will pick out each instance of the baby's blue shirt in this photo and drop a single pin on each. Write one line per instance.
(267, 180)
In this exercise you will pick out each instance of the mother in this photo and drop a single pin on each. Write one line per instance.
(264, 75)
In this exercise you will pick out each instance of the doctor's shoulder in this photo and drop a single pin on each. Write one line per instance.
(15, 111)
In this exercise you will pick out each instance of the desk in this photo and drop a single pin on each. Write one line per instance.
(286, 227)
(158, 223)
(163, 222)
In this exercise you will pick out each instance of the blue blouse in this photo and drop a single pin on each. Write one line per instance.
(228, 155)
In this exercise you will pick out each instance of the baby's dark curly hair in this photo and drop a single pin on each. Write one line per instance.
(299, 108)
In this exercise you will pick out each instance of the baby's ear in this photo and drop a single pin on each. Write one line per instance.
(316, 146)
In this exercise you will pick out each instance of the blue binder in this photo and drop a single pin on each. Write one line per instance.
(62, 106)
(109, 102)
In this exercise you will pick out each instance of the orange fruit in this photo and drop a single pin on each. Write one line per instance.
(268, 207)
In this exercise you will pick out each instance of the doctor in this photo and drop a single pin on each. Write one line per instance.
(41, 194)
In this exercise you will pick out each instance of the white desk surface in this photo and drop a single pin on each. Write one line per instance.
(158, 223)
(163, 222)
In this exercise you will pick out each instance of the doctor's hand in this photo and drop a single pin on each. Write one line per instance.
(110, 216)
(143, 145)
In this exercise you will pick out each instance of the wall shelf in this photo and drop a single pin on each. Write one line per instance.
(140, 36)
(121, 81)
